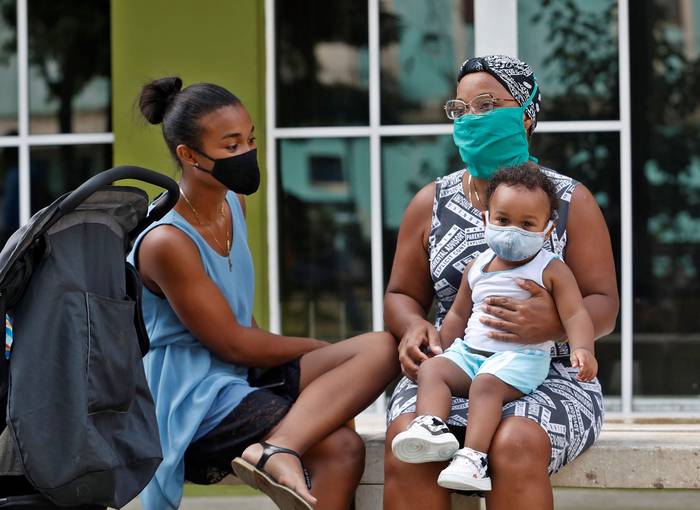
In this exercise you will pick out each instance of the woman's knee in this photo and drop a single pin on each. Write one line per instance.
(395, 470)
(411, 485)
(345, 449)
(519, 446)
(384, 344)
(381, 349)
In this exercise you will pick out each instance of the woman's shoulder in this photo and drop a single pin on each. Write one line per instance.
(426, 196)
(168, 242)
(563, 184)
(171, 237)
(422, 201)
(450, 181)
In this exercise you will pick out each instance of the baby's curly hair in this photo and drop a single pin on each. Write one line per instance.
(528, 175)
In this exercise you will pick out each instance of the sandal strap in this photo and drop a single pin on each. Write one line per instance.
(270, 449)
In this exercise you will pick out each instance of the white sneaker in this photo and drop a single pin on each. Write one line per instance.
(427, 439)
(466, 472)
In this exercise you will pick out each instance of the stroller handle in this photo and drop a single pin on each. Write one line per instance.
(161, 207)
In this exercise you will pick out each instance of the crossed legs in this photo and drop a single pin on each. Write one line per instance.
(337, 382)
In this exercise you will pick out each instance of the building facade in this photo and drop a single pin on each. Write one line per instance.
(347, 100)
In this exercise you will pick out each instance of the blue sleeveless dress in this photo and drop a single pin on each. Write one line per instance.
(193, 390)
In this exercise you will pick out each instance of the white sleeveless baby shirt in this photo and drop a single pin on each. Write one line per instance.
(501, 283)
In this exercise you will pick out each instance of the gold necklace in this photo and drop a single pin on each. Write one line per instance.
(211, 230)
(476, 192)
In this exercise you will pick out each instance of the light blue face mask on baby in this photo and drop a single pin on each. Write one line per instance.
(512, 243)
(493, 140)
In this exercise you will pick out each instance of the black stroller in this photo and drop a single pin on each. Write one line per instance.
(78, 426)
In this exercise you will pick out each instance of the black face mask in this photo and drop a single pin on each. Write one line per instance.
(238, 173)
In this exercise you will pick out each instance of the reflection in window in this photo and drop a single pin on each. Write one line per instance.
(69, 65)
(8, 68)
(594, 160)
(56, 170)
(408, 164)
(423, 42)
(324, 228)
(322, 63)
(665, 57)
(9, 192)
(572, 47)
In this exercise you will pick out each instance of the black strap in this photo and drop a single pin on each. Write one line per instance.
(269, 450)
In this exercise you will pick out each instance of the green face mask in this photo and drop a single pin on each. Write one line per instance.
(493, 140)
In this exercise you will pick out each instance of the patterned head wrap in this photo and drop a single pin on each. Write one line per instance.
(514, 74)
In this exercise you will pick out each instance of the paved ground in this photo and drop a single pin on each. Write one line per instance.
(219, 503)
(565, 499)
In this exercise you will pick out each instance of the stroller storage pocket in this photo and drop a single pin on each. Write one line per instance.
(113, 354)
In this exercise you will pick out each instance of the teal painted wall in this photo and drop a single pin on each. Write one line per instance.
(218, 41)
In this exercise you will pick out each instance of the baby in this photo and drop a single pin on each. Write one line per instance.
(521, 208)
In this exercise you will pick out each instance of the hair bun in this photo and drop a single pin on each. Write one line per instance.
(157, 96)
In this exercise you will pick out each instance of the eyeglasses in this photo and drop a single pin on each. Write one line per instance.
(481, 104)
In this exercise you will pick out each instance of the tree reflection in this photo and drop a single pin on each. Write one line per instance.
(304, 29)
(665, 99)
(665, 89)
(66, 46)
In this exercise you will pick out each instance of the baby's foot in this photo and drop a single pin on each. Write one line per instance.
(468, 471)
(285, 469)
(427, 439)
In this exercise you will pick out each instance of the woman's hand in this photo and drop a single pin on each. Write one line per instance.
(420, 333)
(529, 321)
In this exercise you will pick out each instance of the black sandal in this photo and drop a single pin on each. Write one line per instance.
(255, 476)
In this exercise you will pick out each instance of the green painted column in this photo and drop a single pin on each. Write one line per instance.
(218, 41)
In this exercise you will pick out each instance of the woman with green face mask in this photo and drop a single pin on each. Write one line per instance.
(495, 113)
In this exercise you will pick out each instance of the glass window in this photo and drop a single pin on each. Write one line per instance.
(8, 68)
(665, 56)
(9, 192)
(322, 63)
(423, 42)
(594, 160)
(572, 46)
(69, 73)
(408, 164)
(324, 229)
(56, 170)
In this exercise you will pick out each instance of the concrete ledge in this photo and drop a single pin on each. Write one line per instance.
(638, 457)
(624, 457)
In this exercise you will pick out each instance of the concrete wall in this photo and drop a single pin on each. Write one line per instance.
(218, 41)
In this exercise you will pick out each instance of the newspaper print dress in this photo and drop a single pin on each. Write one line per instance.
(569, 411)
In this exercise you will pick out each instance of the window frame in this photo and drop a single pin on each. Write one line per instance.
(24, 141)
(488, 14)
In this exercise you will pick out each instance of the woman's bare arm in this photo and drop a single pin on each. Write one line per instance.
(409, 293)
(589, 256)
(169, 260)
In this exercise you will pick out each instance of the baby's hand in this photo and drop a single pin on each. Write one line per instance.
(584, 360)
